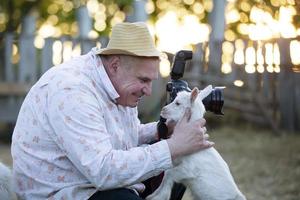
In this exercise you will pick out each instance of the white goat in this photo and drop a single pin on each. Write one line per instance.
(6, 191)
(205, 173)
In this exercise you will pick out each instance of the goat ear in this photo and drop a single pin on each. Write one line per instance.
(194, 94)
(205, 92)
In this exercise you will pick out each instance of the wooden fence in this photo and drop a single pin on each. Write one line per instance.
(269, 99)
(17, 76)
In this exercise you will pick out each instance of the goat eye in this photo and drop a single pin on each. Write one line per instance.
(177, 103)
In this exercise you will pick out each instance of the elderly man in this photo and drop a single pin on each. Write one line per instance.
(77, 135)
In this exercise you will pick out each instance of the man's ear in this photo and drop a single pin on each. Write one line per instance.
(113, 64)
(194, 94)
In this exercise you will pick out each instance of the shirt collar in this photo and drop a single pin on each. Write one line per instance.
(101, 77)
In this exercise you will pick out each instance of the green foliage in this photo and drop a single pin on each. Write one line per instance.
(123, 3)
(15, 10)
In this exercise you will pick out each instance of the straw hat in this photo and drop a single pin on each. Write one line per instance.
(130, 39)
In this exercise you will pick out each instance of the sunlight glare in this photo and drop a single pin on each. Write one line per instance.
(39, 42)
(260, 32)
(57, 51)
(243, 28)
(198, 8)
(260, 60)
(93, 34)
(14, 50)
(270, 68)
(238, 83)
(92, 6)
(76, 50)
(149, 7)
(250, 60)
(227, 57)
(46, 30)
(232, 16)
(295, 49)
(276, 69)
(67, 50)
(226, 68)
(164, 67)
(174, 35)
(229, 35)
(287, 29)
(239, 57)
(260, 68)
(193, 31)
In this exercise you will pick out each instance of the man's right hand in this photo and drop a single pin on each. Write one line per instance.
(188, 137)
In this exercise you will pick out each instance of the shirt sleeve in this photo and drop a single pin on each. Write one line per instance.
(147, 132)
(79, 130)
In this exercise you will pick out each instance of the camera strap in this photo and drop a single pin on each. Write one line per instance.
(162, 129)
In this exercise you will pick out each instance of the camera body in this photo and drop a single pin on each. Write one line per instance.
(213, 102)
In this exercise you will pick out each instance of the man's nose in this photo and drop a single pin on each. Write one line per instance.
(147, 90)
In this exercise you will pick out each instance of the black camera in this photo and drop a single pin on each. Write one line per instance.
(213, 102)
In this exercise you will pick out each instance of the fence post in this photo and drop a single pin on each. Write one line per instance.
(85, 26)
(84, 22)
(197, 66)
(139, 12)
(268, 79)
(103, 41)
(47, 55)
(9, 76)
(297, 100)
(217, 22)
(28, 63)
(286, 88)
(8, 67)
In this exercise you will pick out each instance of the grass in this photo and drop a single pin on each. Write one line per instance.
(265, 167)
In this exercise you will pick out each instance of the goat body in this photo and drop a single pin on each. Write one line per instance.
(205, 173)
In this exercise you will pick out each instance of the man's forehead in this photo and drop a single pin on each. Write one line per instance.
(148, 76)
(148, 70)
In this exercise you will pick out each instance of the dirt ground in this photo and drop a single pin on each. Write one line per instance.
(265, 167)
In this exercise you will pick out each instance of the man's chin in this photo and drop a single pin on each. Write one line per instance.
(133, 105)
(133, 102)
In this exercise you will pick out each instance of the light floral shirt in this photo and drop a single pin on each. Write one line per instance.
(72, 139)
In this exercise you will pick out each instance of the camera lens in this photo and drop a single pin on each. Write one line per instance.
(214, 101)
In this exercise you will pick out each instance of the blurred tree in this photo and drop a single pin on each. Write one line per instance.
(238, 11)
(105, 13)
(59, 13)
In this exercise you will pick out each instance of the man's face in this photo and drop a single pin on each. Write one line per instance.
(133, 79)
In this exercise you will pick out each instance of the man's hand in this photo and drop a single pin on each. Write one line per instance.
(188, 137)
(171, 125)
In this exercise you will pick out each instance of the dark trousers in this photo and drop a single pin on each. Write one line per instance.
(116, 194)
(127, 194)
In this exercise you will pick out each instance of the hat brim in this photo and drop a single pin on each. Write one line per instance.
(107, 51)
